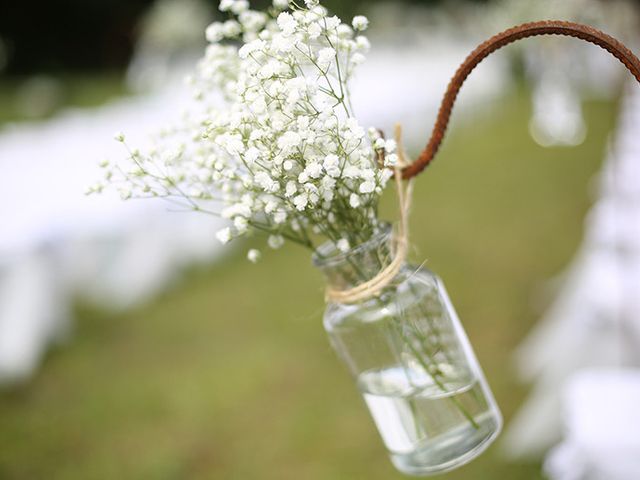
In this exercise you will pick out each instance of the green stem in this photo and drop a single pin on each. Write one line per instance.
(421, 355)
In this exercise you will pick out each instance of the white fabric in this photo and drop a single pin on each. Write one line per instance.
(56, 244)
(601, 425)
(595, 319)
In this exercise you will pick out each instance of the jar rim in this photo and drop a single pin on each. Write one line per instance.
(328, 255)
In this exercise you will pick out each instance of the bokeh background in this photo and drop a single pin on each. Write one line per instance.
(133, 346)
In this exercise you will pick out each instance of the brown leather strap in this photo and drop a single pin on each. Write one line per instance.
(551, 27)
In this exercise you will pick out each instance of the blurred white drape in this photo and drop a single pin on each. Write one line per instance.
(601, 421)
(595, 319)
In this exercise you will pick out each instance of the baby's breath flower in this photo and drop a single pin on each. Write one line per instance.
(224, 235)
(285, 154)
(358, 59)
(240, 6)
(119, 137)
(390, 146)
(276, 241)
(362, 44)
(367, 187)
(287, 24)
(281, 4)
(343, 245)
(326, 56)
(241, 224)
(231, 28)
(391, 160)
(254, 255)
(360, 23)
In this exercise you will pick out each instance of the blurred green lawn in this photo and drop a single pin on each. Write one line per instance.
(49, 94)
(229, 375)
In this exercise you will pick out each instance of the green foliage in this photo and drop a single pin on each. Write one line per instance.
(36, 98)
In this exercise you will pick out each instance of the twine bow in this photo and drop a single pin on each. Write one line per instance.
(373, 287)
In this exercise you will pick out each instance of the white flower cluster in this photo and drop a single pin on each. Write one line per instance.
(286, 155)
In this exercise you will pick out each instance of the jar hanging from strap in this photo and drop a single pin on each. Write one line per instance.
(411, 360)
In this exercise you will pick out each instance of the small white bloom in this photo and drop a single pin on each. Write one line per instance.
(301, 201)
(326, 56)
(391, 160)
(251, 155)
(380, 144)
(343, 245)
(289, 141)
(314, 30)
(119, 137)
(358, 59)
(328, 183)
(252, 21)
(240, 6)
(360, 22)
(258, 134)
(333, 22)
(276, 241)
(251, 47)
(231, 29)
(354, 200)
(363, 44)
(287, 24)
(344, 31)
(270, 207)
(264, 181)
(351, 171)
(291, 189)
(331, 123)
(331, 165)
(390, 146)
(232, 143)
(281, 4)
(225, 5)
(254, 255)
(288, 165)
(313, 170)
(224, 236)
(241, 224)
(367, 173)
(280, 217)
(311, 3)
(367, 187)
(214, 32)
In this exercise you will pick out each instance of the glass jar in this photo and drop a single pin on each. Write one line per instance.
(411, 360)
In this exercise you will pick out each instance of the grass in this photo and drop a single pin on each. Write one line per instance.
(38, 98)
(230, 376)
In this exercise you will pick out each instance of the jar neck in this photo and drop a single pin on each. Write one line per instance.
(345, 270)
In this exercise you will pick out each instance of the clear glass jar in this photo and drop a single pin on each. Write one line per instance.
(411, 360)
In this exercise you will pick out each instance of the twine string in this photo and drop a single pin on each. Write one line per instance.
(374, 286)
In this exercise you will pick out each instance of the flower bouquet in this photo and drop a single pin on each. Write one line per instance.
(275, 148)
